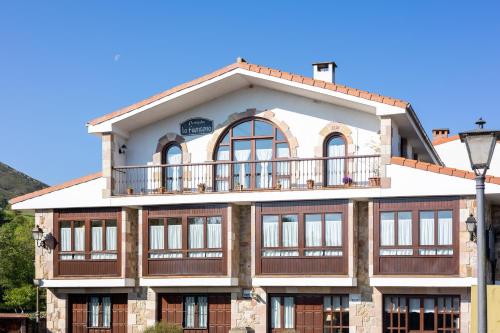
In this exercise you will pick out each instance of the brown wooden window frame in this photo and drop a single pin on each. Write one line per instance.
(326, 144)
(282, 327)
(87, 266)
(104, 226)
(342, 325)
(100, 320)
(196, 318)
(79, 313)
(166, 168)
(302, 208)
(184, 212)
(252, 138)
(430, 263)
(402, 326)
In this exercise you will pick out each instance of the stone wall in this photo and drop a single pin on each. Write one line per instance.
(141, 309)
(44, 265)
(130, 230)
(56, 312)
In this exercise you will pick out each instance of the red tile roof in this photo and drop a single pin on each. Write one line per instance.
(439, 141)
(440, 169)
(54, 188)
(262, 70)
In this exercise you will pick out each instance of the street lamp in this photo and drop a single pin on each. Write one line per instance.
(480, 145)
(471, 225)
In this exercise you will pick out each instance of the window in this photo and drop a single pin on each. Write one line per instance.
(427, 313)
(323, 235)
(195, 312)
(104, 239)
(336, 148)
(204, 237)
(436, 239)
(172, 157)
(280, 235)
(254, 144)
(99, 311)
(396, 233)
(433, 238)
(282, 305)
(323, 230)
(72, 240)
(336, 314)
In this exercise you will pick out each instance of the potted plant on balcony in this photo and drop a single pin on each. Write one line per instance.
(130, 190)
(162, 189)
(375, 180)
(310, 184)
(278, 185)
(201, 187)
(347, 181)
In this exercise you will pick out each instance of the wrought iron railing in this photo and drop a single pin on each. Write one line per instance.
(222, 176)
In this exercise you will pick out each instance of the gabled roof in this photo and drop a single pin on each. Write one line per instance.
(261, 70)
(439, 141)
(54, 188)
(440, 169)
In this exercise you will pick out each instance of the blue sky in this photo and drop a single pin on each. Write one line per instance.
(64, 63)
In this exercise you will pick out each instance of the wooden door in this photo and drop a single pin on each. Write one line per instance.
(219, 313)
(309, 313)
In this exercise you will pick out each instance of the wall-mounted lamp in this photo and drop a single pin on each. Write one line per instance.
(122, 149)
(471, 224)
(43, 241)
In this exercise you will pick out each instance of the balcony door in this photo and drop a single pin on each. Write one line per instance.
(253, 149)
(336, 150)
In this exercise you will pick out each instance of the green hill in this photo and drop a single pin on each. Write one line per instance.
(14, 183)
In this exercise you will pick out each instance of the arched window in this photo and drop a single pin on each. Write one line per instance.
(257, 146)
(336, 149)
(172, 157)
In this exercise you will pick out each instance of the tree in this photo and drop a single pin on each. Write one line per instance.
(20, 298)
(17, 254)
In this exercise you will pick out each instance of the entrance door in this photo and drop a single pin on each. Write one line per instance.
(97, 313)
(197, 313)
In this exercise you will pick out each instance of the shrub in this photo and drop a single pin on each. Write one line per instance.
(164, 328)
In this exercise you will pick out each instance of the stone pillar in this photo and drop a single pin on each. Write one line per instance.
(141, 309)
(107, 163)
(385, 149)
(44, 264)
(129, 243)
(56, 312)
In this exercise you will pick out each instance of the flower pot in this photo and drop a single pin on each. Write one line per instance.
(374, 181)
(278, 186)
(130, 191)
(201, 188)
(310, 184)
(162, 190)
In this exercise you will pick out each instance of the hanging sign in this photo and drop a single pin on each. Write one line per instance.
(197, 126)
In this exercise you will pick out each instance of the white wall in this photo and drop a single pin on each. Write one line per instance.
(305, 117)
(454, 155)
(396, 141)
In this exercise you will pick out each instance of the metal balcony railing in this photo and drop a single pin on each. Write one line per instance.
(228, 176)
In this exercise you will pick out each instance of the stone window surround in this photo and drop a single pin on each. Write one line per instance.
(168, 139)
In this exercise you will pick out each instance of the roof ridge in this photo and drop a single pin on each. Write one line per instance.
(54, 188)
(364, 94)
(442, 140)
(440, 169)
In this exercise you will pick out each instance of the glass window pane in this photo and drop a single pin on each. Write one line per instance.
(174, 233)
(387, 228)
(275, 312)
(65, 231)
(243, 129)
(282, 150)
(106, 312)
(174, 155)
(290, 230)
(445, 227)
(426, 228)
(404, 228)
(156, 234)
(333, 229)
(225, 139)
(263, 128)
(202, 311)
(111, 235)
(189, 311)
(279, 135)
(214, 232)
(196, 225)
(314, 231)
(288, 312)
(223, 153)
(94, 312)
(270, 224)
(429, 314)
(79, 235)
(336, 147)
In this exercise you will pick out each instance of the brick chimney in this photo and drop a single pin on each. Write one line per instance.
(440, 133)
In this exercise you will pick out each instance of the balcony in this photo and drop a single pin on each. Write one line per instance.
(231, 176)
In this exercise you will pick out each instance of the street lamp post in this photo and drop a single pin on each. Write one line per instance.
(480, 145)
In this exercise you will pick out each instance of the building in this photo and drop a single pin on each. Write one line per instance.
(256, 199)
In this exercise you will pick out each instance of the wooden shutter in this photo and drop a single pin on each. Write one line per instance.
(119, 313)
(219, 313)
(309, 313)
(171, 309)
(78, 313)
